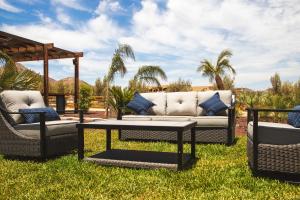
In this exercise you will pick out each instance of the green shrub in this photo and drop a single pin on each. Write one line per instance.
(85, 97)
(180, 86)
(119, 98)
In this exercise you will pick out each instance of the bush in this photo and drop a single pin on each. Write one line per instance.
(180, 86)
(119, 98)
(85, 97)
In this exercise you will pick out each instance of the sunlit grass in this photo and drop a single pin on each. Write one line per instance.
(220, 173)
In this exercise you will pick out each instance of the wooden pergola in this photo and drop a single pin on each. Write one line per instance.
(21, 49)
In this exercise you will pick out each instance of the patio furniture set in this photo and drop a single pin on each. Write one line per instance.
(28, 128)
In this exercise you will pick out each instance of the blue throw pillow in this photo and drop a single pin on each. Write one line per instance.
(139, 104)
(216, 108)
(294, 117)
(50, 114)
(213, 105)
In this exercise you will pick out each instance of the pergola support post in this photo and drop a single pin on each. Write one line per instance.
(76, 83)
(46, 74)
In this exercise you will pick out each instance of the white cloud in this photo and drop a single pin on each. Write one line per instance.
(30, 2)
(263, 35)
(4, 5)
(108, 7)
(62, 16)
(44, 19)
(74, 4)
(98, 33)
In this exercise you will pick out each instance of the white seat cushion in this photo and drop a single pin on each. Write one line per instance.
(225, 96)
(160, 101)
(170, 118)
(202, 121)
(275, 133)
(136, 117)
(181, 103)
(53, 128)
(211, 121)
(13, 100)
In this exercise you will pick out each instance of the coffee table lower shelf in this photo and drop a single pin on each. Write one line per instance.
(140, 159)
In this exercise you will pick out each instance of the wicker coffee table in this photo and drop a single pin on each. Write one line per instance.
(135, 158)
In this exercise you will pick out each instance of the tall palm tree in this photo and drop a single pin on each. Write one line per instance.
(150, 75)
(216, 72)
(11, 79)
(118, 66)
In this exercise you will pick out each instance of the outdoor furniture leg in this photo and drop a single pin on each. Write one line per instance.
(43, 138)
(179, 150)
(108, 139)
(193, 143)
(80, 143)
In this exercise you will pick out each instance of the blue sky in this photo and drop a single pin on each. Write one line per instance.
(175, 34)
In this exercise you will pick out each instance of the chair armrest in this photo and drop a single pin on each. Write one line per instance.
(15, 113)
(251, 112)
(231, 116)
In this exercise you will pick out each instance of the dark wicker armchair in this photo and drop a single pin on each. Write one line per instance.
(43, 145)
(38, 140)
(273, 149)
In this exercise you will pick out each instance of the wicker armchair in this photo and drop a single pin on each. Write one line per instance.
(273, 149)
(37, 140)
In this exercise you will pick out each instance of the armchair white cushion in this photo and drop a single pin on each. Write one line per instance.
(13, 100)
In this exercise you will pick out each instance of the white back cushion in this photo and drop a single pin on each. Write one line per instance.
(13, 100)
(225, 96)
(182, 103)
(160, 101)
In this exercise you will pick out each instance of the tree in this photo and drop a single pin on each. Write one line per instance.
(60, 87)
(137, 86)
(297, 91)
(180, 86)
(228, 82)
(216, 72)
(11, 79)
(150, 75)
(117, 66)
(85, 97)
(119, 98)
(276, 83)
(100, 86)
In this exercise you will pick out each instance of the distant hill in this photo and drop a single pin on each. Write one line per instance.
(21, 67)
(69, 81)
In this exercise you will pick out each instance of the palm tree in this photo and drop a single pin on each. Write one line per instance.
(11, 79)
(118, 66)
(119, 98)
(218, 71)
(150, 75)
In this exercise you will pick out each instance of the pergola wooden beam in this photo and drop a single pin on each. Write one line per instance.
(28, 48)
(76, 82)
(46, 75)
(22, 49)
(50, 57)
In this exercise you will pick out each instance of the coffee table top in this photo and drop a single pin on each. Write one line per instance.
(145, 125)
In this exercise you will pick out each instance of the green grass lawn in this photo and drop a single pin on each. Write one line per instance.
(220, 173)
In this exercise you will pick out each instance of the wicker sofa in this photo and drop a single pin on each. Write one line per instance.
(39, 140)
(273, 149)
(183, 106)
